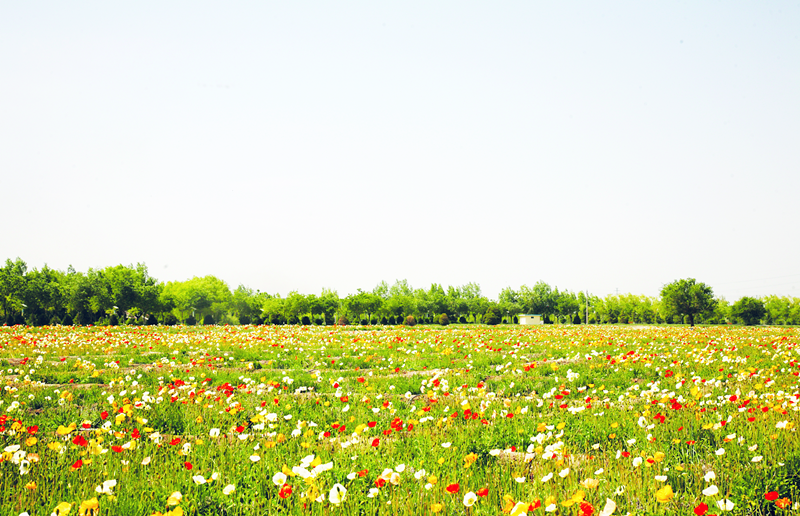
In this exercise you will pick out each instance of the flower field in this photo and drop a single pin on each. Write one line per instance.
(224, 420)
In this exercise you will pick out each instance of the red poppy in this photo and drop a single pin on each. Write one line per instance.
(175, 441)
(701, 509)
(586, 508)
(104, 415)
(452, 488)
(116, 449)
(483, 492)
(33, 429)
(285, 491)
(375, 443)
(79, 440)
(772, 495)
(380, 482)
(77, 465)
(187, 465)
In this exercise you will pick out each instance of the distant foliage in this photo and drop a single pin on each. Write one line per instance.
(410, 321)
(343, 321)
(444, 320)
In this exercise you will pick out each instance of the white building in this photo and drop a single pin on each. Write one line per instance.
(530, 319)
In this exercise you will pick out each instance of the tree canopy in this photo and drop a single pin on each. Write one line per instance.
(127, 294)
(687, 297)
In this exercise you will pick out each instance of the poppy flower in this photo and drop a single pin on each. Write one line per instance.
(470, 499)
(452, 488)
(337, 494)
(483, 492)
(609, 508)
(77, 465)
(772, 495)
(664, 494)
(187, 465)
(725, 505)
(89, 507)
(701, 509)
(783, 503)
(286, 491)
(376, 442)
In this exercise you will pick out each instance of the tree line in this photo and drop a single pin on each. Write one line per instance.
(127, 294)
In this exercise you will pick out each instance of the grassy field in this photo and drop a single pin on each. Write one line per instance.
(473, 420)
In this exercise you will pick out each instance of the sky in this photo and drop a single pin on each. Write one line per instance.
(597, 146)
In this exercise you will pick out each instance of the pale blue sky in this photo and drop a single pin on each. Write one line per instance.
(299, 145)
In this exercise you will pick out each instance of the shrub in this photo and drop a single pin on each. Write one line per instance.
(55, 321)
(363, 322)
(276, 319)
(67, 320)
(208, 320)
(305, 321)
(113, 320)
(244, 319)
(410, 321)
(191, 321)
(343, 321)
(170, 319)
(444, 320)
(576, 319)
(462, 320)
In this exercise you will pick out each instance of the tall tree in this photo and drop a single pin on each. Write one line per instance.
(687, 297)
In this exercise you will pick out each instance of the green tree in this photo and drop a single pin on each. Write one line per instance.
(296, 306)
(12, 289)
(198, 297)
(245, 304)
(272, 308)
(329, 303)
(687, 297)
(566, 305)
(508, 302)
(43, 296)
(748, 310)
(493, 315)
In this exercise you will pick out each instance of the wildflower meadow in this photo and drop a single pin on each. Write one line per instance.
(474, 420)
